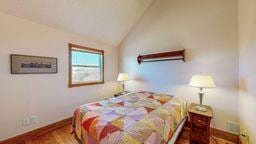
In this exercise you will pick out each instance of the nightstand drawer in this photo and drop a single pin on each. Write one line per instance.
(199, 121)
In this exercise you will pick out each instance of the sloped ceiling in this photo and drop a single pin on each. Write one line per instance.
(105, 20)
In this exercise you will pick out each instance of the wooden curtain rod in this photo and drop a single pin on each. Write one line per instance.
(165, 56)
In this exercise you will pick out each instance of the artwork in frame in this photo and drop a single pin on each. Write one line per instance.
(26, 64)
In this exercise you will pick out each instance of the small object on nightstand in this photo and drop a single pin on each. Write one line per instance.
(121, 93)
(200, 124)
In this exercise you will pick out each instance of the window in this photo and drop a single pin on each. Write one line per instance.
(86, 66)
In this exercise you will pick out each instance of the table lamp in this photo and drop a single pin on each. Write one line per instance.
(123, 77)
(201, 82)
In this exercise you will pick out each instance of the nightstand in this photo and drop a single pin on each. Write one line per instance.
(121, 93)
(199, 124)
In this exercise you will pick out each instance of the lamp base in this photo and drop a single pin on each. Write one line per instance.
(201, 108)
(124, 92)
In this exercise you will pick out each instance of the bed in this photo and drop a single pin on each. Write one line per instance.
(136, 118)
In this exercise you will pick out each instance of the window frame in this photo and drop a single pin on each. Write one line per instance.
(83, 49)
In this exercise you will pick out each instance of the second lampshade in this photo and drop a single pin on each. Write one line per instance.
(123, 77)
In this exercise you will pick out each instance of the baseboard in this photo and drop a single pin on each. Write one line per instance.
(239, 140)
(20, 139)
(224, 135)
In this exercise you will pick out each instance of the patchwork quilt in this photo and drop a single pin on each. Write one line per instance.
(135, 118)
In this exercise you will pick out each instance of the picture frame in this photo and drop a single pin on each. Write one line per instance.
(27, 64)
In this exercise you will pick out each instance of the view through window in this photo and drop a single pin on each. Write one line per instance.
(86, 66)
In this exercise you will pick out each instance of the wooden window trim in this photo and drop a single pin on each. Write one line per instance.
(97, 51)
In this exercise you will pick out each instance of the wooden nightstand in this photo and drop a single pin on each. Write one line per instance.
(199, 124)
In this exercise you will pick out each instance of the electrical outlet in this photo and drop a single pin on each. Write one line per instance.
(33, 119)
(25, 122)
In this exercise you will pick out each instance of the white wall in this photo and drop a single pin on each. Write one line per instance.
(208, 30)
(44, 95)
(247, 67)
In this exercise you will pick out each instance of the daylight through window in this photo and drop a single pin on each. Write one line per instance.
(86, 66)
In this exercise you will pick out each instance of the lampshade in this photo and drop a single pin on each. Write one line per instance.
(202, 81)
(123, 77)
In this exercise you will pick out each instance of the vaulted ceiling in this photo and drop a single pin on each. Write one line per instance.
(105, 20)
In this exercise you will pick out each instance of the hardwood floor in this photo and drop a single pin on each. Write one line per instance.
(63, 136)
(184, 139)
(58, 136)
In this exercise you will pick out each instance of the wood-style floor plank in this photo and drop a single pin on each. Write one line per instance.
(184, 139)
(63, 136)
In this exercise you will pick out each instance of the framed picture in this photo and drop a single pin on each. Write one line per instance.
(25, 64)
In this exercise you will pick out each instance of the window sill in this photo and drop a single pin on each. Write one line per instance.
(84, 84)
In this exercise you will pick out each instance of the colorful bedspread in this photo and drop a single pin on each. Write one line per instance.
(134, 118)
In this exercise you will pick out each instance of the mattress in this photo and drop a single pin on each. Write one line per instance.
(141, 117)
